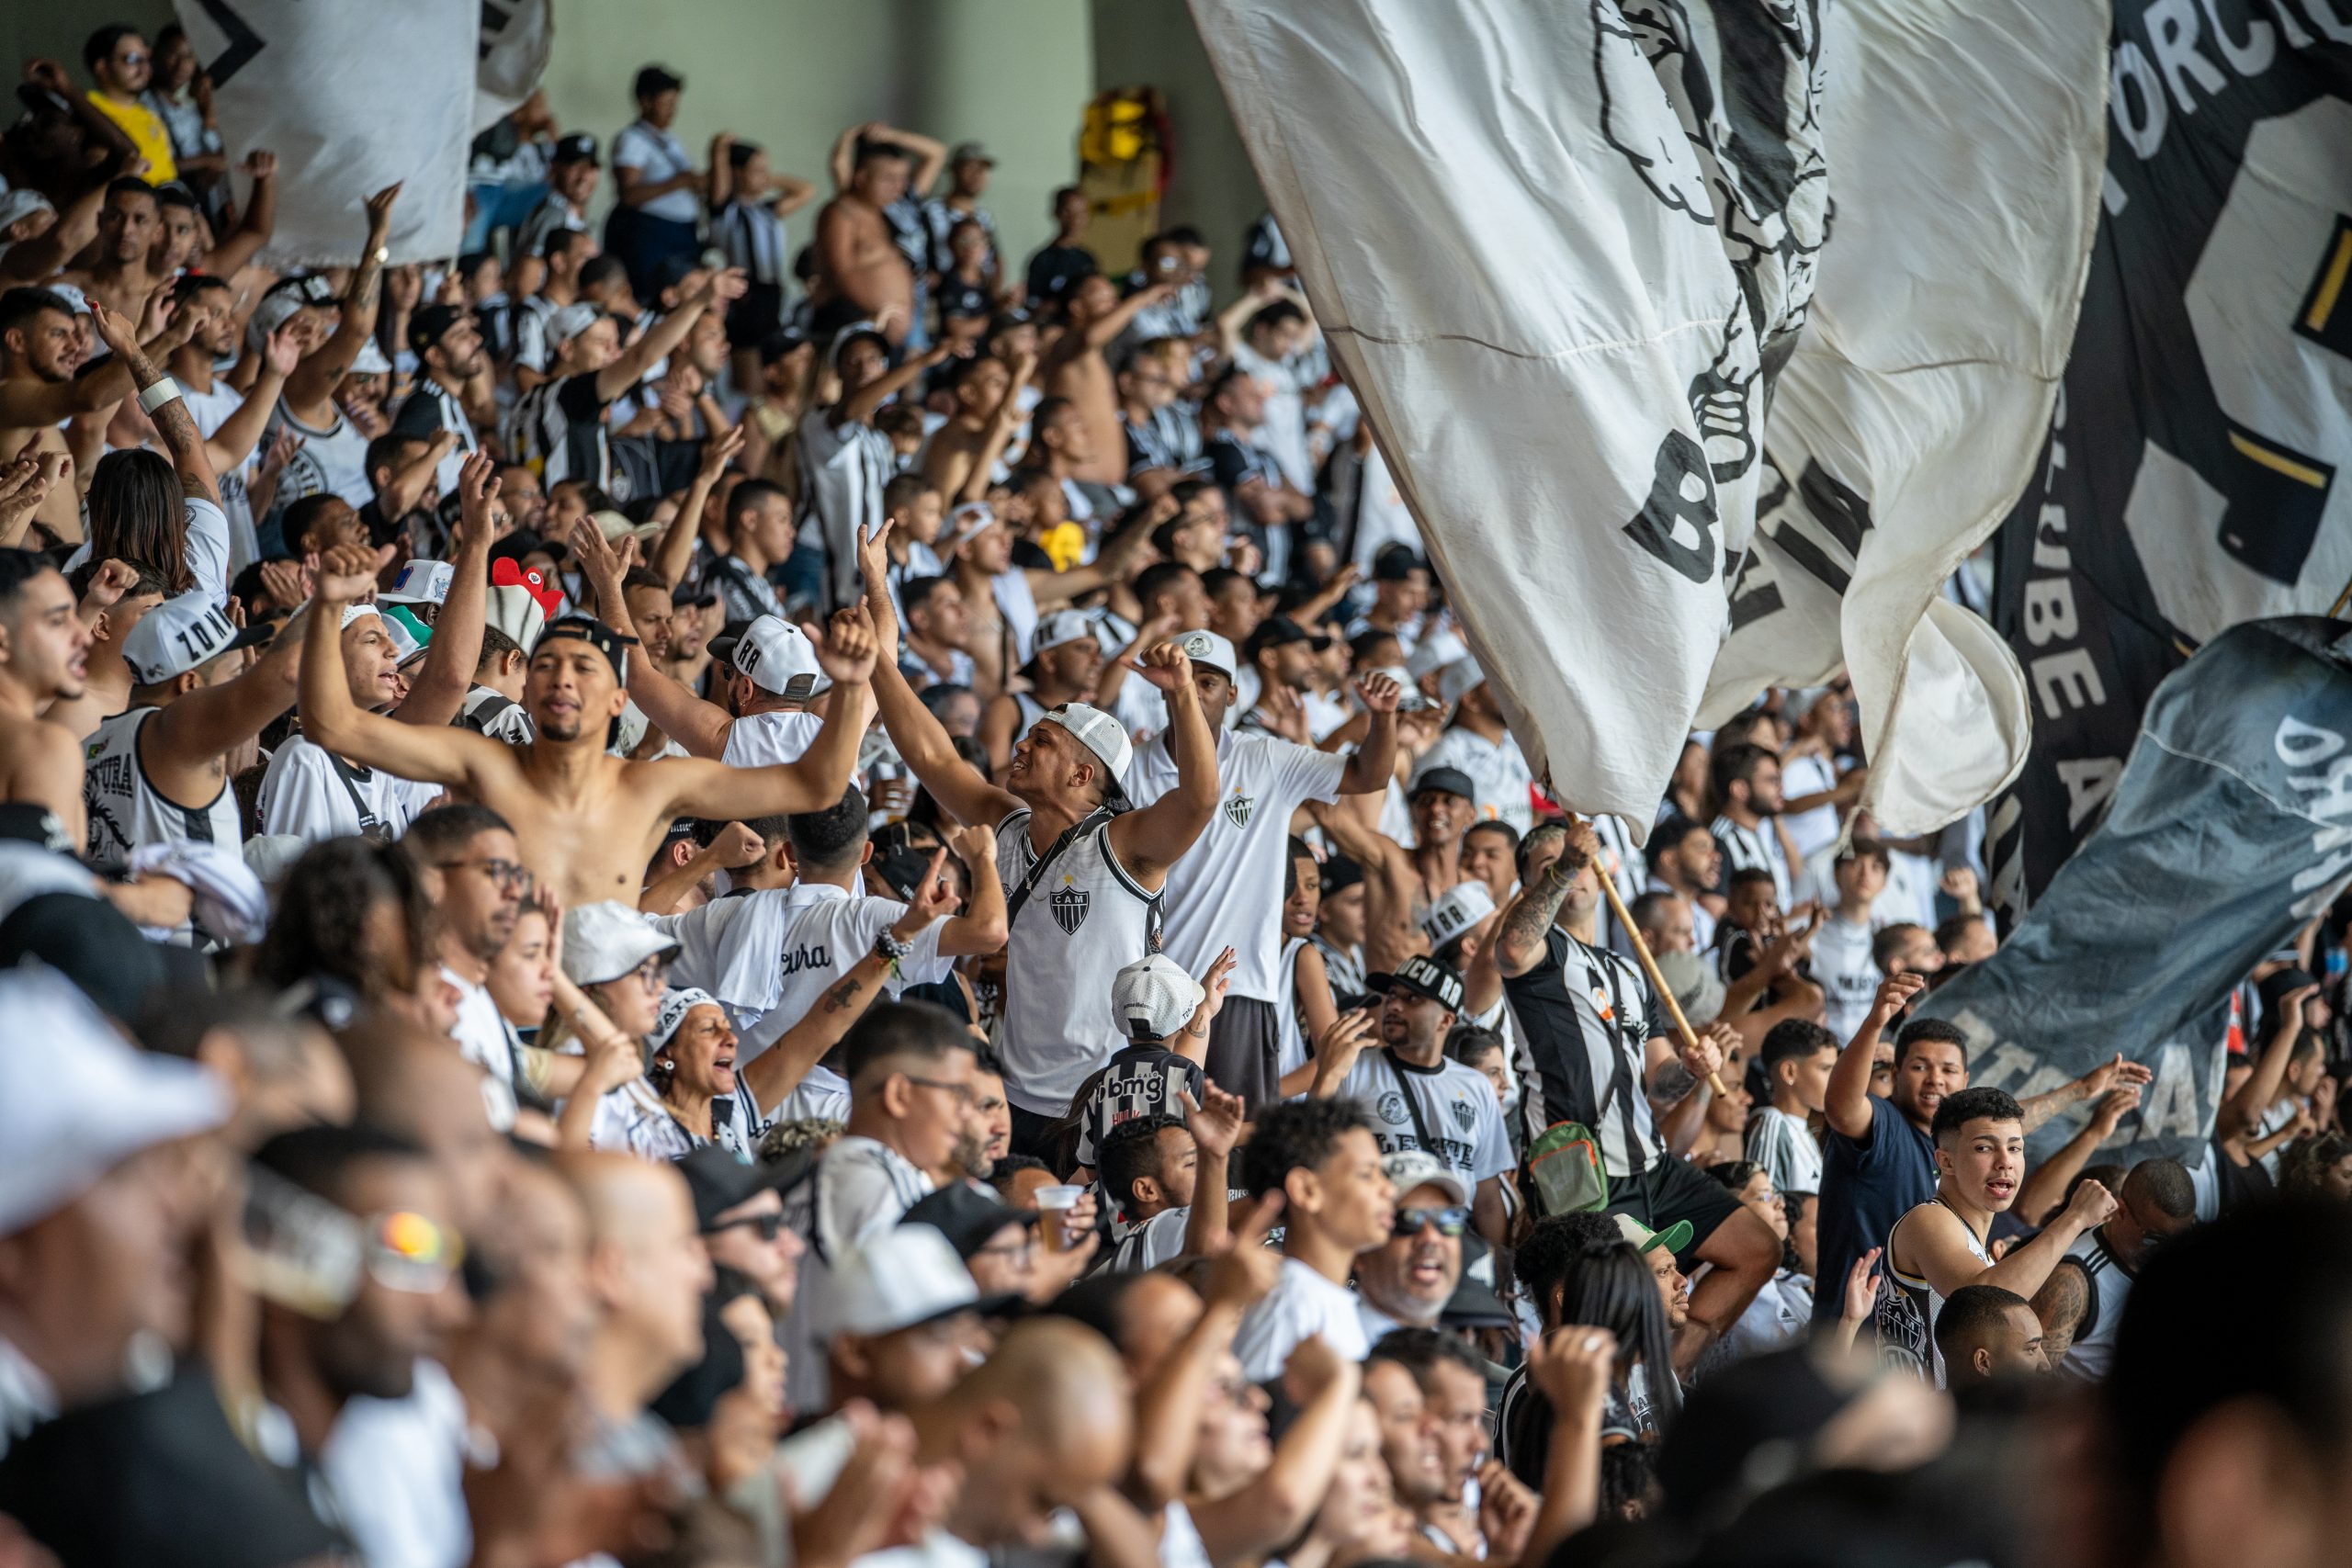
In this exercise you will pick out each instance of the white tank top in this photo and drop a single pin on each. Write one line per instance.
(1084, 921)
(333, 459)
(2107, 1286)
(1908, 1307)
(125, 809)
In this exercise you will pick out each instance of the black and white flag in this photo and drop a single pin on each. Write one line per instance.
(2230, 828)
(2192, 477)
(1559, 251)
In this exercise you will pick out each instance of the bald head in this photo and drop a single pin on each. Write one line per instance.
(626, 1197)
(1038, 1425)
(1064, 1380)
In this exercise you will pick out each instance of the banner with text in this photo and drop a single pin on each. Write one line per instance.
(2188, 481)
(2230, 827)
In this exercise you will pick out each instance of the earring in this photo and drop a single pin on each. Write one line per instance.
(664, 1063)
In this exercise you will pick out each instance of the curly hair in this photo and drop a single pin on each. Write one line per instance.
(327, 908)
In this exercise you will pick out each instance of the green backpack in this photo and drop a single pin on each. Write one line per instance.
(1564, 1164)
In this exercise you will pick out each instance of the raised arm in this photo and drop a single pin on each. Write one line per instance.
(1050, 587)
(232, 445)
(2116, 1073)
(930, 156)
(844, 157)
(920, 738)
(1105, 332)
(2045, 1188)
(440, 754)
(860, 406)
(1278, 1505)
(1375, 759)
(1169, 1402)
(1148, 840)
(1849, 1102)
(702, 727)
(817, 780)
(999, 436)
(1523, 932)
(984, 925)
(191, 733)
(777, 1070)
(314, 378)
(722, 171)
(257, 222)
(1390, 935)
(439, 688)
(172, 421)
(676, 549)
(666, 334)
(2243, 1112)
(1946, 1264)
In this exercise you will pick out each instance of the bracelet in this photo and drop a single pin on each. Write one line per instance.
(156, 396)
(891, 947)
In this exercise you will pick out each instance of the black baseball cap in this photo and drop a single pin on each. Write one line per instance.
(1423, 976)
(655, 80)
(1339, 874)
(1280, 631)
(967, 1217)
(1395, 563)
(1452, 781)
(580, 147)
(719, 1181)
(596, 634)
(433, 323)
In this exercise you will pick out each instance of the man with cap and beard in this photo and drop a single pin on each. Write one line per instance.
(1407, 1282)
(1218, 891)
(587, 821)
(1084, 878)
(98, 1204)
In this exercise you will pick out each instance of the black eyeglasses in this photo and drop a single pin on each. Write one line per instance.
(962, 1091)
(766, 1224)
(510, 878)
(1451, 1220)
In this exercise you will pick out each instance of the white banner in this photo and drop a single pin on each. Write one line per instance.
(351, 98)
(1916, 403)
(1558, 250)
(517, 37)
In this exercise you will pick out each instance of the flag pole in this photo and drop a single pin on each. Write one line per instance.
(1642, 951)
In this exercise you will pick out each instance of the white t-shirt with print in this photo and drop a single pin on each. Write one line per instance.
(1843, 968)
(1302, 1303)
(1457, 1106)
(301, 794)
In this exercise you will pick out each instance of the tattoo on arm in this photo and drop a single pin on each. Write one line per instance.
(1532, 913)
(842, 997)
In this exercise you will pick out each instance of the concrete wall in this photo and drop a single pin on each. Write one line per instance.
(58, 28)
(790, 73)
(1153, 42)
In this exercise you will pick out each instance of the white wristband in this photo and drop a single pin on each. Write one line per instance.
(156, 396)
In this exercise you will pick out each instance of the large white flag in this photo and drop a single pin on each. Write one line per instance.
(1968, 152)
(353, 97)
(1558, 252)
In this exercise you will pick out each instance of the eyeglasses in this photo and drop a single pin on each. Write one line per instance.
(962, 1091)
(651, 974)
(1019, 1252)
(134, 57)
(510, 878)
(1451, 1220)
(766, 1224)
(408, 1252)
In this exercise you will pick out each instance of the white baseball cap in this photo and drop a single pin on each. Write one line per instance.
(1061, 627)
(1207, 647)
(421, 582)
(184, 633)
(76, 1100)
(968, 520)
(1408, 1169)
(355, 611)
(563, 325)
(1153, 997)
(72, 296)
(779, 658)
(369, 360)
(903, 1277)
(605, 942)
(21, 203)
(1458, 679)
(1457, 908)
(1099, 733)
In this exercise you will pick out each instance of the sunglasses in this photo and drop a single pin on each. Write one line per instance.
(766, 1226)
(1451, 1220)
(408, 1252)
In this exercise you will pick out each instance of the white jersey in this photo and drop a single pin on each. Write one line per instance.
(1848, 975)
(806, 938)
(762, 739)
(1909, 1306)
(1784, 1145)
(124, 807)
(1448, 1110)
(314, 796)
(1225, 890)
(1084, 921)
(843, 469)
(332, 460)
(2107, 1283)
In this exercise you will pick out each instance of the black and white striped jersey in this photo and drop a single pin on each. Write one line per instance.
(1588, 1015)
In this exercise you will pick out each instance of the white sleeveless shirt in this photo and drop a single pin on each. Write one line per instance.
(1909, 1306)
(1085, 920)
(127, 811)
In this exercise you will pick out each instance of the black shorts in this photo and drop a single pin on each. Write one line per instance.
(1670, 1190)
(1245, 1046)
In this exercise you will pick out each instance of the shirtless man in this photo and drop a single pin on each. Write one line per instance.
(963, 453)
(40, 349)
(130, 225)
(587, 821)
(861, 273)
(1076, 370)
(44, 655)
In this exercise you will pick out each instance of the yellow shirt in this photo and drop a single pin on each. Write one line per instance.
(145, 128)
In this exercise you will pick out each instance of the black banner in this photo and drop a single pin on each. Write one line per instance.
(2230, 828)
(2191, 480)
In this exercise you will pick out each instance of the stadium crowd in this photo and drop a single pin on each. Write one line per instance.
(683, 892)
